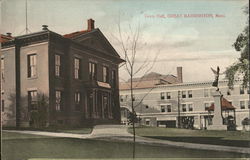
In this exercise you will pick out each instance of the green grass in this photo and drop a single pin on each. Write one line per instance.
(229, 138)
(151, 159)
(18, 146)
(57, 129)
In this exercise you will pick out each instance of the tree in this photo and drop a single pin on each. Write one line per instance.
(130, 43)
(241, 67)
(39, 116)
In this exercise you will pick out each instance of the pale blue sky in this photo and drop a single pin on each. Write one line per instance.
(194, 43)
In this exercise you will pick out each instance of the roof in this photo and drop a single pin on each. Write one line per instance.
(149, 80)
(154, 76)
(74, 34)
(142, 84)
(5, 38)
(225, 105)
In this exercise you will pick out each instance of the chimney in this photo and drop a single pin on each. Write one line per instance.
(45, 27)
(8, 34)
(179, 75)
(91, 24)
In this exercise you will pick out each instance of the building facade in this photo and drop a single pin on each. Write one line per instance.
(75, 75)
(185, 104)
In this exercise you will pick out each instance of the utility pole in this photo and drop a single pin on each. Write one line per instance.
(179, 116)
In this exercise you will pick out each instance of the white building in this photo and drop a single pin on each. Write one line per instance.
(164, 104)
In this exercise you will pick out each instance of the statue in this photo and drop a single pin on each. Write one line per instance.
(216, 74)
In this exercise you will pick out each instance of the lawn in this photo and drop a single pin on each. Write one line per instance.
(229, 138)
(18, 146)
(59, 130)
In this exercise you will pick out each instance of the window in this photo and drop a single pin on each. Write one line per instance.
(113, 77)
(190, 107)
(206, 105)
(92, 71)
(183, 94)
(77, 101)
(2, 69)
(169, 108)
(105, 74)
(147, 122)
(77, 65)
(168, 95)
(2, 105)
(206, 93)
(242, 90)
(190, 95)
(184, 107)
(242, 105)
(32, 65)
(228, 92)
(162, 95)
(57, 65)
(32, 100)
(248, 102)
(58, 100)
(146, 106)
(162, 108)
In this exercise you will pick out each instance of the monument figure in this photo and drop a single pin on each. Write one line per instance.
(216, 80)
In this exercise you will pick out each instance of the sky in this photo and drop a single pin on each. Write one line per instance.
(195, 43)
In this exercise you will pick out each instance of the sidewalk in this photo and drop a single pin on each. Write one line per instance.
(119, 133)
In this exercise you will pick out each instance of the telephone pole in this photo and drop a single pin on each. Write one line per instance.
(179, 116)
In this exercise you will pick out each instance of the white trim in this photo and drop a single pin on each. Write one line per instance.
(187, 103)
(32, 45)
(5, 49)
(165, 104)
(175, 90)
(31, 52)
(243, 99)
(208, 102)
(31, 89)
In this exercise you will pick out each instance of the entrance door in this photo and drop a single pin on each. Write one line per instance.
(90, 106)
(105, 106)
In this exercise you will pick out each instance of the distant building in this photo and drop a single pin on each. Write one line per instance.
(164, 104)
(152, 79)
(77, 72)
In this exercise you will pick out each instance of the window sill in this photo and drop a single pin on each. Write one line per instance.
(31, 78)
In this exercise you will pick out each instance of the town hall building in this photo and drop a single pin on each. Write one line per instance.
(73, 76)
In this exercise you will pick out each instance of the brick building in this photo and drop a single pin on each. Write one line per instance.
(164, 104)
(76, 74)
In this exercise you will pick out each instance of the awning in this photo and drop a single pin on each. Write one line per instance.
(102, 84)
(225, 105)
